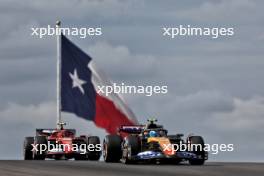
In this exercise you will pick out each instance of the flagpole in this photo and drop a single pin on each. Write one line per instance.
(58, 33)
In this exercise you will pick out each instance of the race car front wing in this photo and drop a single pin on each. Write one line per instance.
(149, 155)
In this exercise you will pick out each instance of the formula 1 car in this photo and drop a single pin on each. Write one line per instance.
(60, 144)
(147, 143)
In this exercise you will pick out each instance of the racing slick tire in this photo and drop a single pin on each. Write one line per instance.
(83, 156)
(94, 155)
(38, 155)
(27, 148)
(131, 147)
(201, 152)
(112, 148)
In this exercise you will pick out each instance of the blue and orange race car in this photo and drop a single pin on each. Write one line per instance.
(150, 143)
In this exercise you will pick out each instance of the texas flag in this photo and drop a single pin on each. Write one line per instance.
(79, 82)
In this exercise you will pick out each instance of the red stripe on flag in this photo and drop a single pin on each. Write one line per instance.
(107, 116)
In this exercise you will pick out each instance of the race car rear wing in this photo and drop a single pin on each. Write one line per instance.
(48, 132)
(132, 129)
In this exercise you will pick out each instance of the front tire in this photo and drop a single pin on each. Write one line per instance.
(131, 147)
(197, 140)
(40, 155)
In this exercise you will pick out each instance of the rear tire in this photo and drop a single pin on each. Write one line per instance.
(200, 152)
(94, 155)
(112, 148)
(27, 148)
(82, 156)
(38, 155)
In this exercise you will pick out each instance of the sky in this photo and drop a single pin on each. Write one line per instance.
(215, 86)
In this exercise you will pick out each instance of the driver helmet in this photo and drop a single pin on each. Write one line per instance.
(153, 134)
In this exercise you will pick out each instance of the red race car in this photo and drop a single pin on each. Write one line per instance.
(61, 144)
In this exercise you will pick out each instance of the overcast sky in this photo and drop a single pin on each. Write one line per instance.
(215, 86)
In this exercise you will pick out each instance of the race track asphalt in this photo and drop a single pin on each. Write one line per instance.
(89, 168)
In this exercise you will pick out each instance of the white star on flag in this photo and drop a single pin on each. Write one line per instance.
(76, 81)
